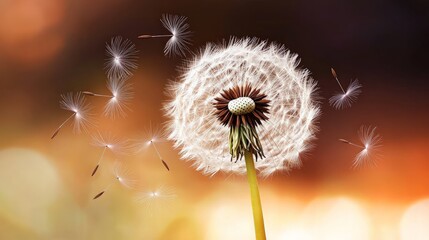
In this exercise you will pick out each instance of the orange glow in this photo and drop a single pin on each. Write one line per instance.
(50, 47)
(29, 29)
(415, 221)
(336, 219)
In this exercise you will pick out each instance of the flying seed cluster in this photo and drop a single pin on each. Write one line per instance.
(120, 65)
(257, 77)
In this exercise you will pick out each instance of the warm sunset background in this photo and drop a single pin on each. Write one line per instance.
(49, 47)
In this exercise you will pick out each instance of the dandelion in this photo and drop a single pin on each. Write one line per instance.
(370, 144)
(122, 175)
(75, 103)
(179, 37)
(110, 143)
(120, 97)
(345, 98)
(242, 109)
(157, 199)
(252, 92)
(122, 58)
(153, 136)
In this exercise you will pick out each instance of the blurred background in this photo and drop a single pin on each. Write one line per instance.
(50, 47)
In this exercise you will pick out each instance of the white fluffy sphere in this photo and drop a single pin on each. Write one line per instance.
(269, 67)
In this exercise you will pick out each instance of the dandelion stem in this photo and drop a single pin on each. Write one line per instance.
(159, 155)
(97, 95)
(99, 161)
(156, 36)
(61, 126)
(102, 155)
(156, 149)
(353, 144)
(103, 95)
(258, 217)
(336, 78)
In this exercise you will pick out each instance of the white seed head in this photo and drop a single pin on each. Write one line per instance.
(241, 105)
(115, 145)
(124, 176)
(343, 100)
(77, 103)
(151, 136)
(122, 95)
(158, 200)
(122, 57)
(180, 40)
(117, 60)
(270, 68)
(372, 143)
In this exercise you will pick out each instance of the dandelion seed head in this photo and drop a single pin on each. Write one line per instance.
(180, 40)
(154, 194)
(371, 142)
(117, 60)
(122, 96)
(122, 57)
(77, 104)
(343, 100)
(158, 199)
(119, 179)
(241, 105)
(124, 175)
(150, 136)
(115, 145)
(270, 68)
(243, 109)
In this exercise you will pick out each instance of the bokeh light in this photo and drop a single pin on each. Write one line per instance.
(29, 187)
(29, 29)
(415, 221)
(336, 219)
(226, 216)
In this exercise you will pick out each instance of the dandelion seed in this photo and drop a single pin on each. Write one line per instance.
(152, 143)
(179, 41)
(370, 144)
(98, 195)
(111, 143)
(165, 165)
(122, 175)
(223, 103)
(120, 97)
(345, 98)
(152, 137)
(75, 103)
(158, 199)
(122, 58)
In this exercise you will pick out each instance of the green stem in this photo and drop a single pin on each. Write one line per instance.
(258, 217)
